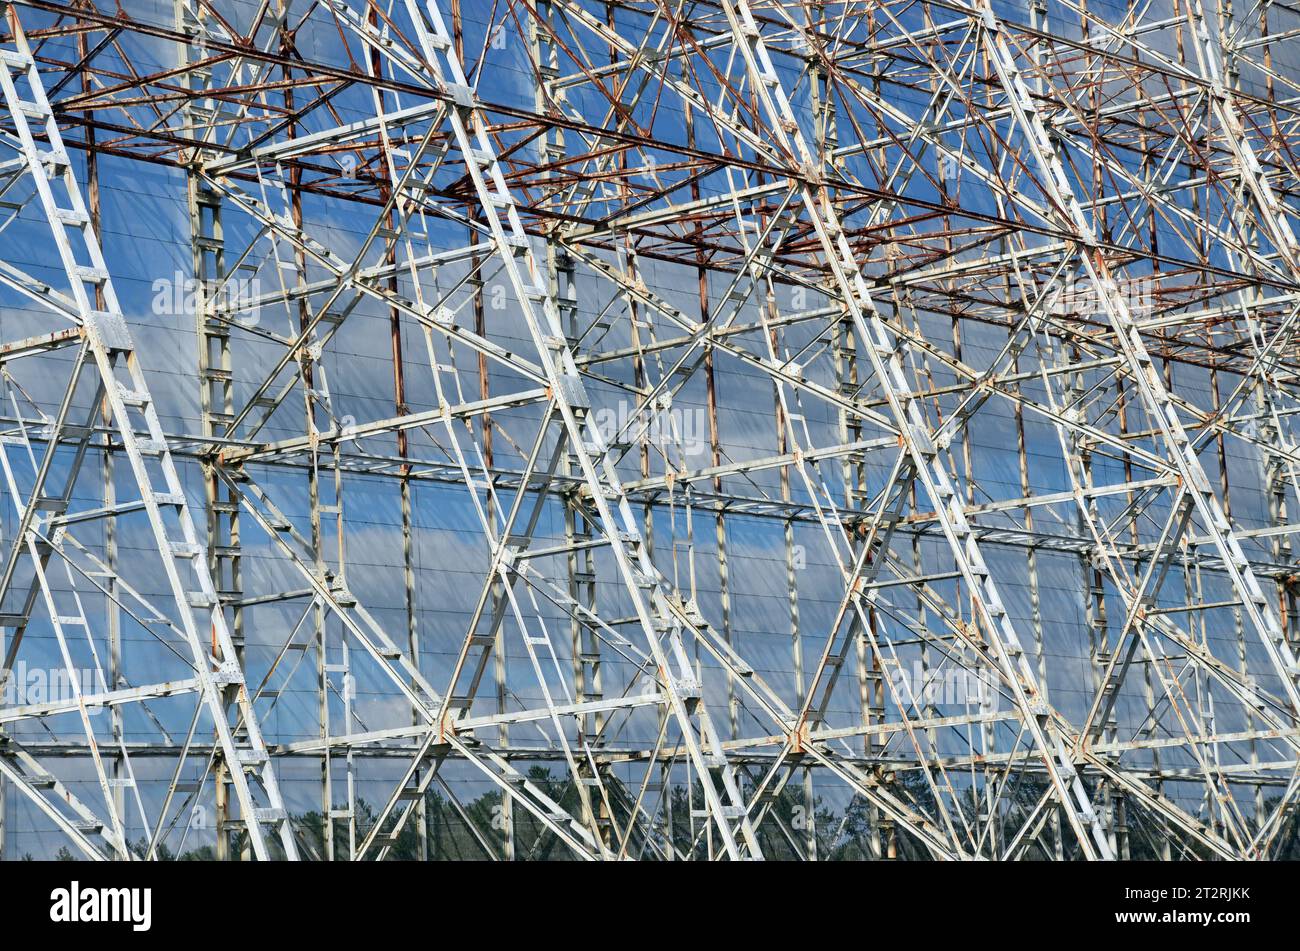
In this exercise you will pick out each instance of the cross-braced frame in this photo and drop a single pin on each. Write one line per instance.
(662, 430)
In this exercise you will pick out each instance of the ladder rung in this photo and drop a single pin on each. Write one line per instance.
(225, 676)
(15, 60)
(91, 275)
(55, 158)
(72, 217)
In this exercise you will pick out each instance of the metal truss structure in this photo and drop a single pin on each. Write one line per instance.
(664, 429)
